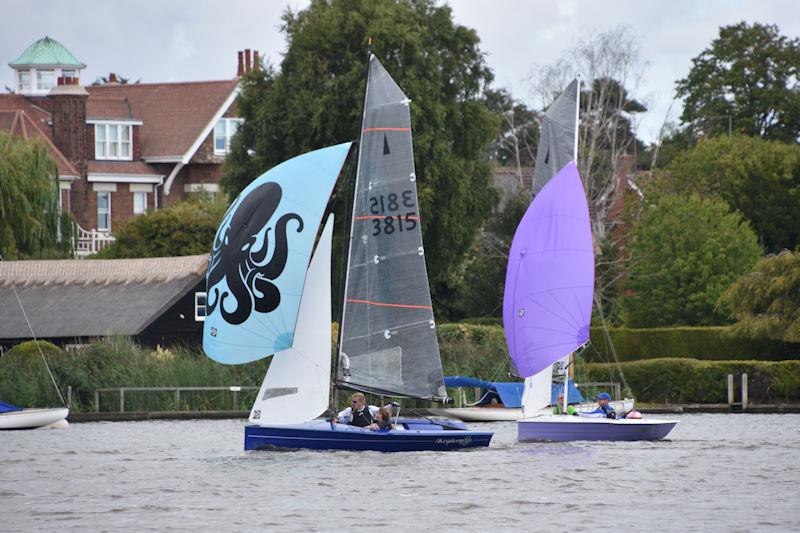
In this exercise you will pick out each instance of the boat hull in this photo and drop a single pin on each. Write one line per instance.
(571, 428)
(505, 414)
(416, 435)
(32, 418)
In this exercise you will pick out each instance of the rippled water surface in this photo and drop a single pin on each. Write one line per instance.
(717, 473)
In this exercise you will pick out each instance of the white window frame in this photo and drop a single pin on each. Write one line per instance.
(39, 76)
(22, 86)
(197, 306)
(143, 195)
(228, 132)
(106, 143)
(106, 212)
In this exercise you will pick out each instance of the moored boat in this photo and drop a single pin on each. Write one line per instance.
(12, 417)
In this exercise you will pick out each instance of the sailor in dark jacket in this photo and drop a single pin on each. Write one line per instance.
(359, 413)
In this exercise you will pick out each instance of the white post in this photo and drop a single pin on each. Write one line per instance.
(730, 389)
(744, 392)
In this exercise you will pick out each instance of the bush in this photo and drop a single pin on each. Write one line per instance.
(31, 348)
(672, 380)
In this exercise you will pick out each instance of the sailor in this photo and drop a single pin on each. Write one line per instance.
(558, 408)
(603, 406)
(359, 413)
(383, 420)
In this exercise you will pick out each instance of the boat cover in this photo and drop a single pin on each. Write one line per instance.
(6, 407)
(510, 393)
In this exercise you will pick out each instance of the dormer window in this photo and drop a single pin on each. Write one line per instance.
(45, 79)
(112, 141)
(224, 131)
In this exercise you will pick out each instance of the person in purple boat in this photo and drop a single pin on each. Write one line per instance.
(604, 409)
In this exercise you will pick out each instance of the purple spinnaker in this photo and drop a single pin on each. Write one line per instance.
(547, 306)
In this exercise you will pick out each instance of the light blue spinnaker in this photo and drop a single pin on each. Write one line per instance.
(261, 251)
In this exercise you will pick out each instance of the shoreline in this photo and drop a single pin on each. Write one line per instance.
(136, 416)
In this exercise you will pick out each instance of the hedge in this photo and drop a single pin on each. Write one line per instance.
(682, 380)
(713, 343)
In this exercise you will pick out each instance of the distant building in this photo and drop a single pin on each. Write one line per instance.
(121, 148)
(157, 301)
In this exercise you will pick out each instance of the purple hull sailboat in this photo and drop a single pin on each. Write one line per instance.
(547, 305)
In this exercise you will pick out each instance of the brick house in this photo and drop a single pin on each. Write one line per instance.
(121, 149)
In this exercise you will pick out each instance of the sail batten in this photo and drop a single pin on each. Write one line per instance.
(386, 288)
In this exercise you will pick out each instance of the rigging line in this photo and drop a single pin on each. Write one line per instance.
(41, 353)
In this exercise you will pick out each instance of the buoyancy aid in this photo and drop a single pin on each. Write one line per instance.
(361, 418)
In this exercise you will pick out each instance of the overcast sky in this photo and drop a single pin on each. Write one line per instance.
(159, 41)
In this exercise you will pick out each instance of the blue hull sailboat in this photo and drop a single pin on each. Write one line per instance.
(268, 296)
(547, 305)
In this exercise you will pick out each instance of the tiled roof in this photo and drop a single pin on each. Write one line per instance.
(20, 123)
(48, 52)
(85, 297)
(173, 114)
(104, 108)
(122, 167)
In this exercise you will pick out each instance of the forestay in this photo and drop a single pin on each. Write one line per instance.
(547, 305)
(261, 251)
(296, 387)
(388, 333)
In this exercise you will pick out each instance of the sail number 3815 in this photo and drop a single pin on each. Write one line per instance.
(388, 205)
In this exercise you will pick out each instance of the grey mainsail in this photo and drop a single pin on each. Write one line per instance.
(556, 137)
(388, 341)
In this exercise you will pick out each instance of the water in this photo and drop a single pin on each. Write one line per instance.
(717, 473)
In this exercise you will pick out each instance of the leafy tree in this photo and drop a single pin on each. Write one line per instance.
(747, 81)
(766, 302)
(186, 228)
(684, 252)
(482, 277)
(317, 97)
(758, 178)
(31, 222)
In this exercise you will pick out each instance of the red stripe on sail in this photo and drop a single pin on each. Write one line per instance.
(380, 304)
(384, 216)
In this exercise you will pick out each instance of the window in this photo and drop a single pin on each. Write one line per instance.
(200, 307)
(68, 73)
(104, 211)
(224, 130)
(25, 80)
(139, 203)
(45, 79)
(112, 141)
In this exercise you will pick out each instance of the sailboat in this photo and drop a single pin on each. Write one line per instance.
(281, 306)
(548, 297)
(13, 417)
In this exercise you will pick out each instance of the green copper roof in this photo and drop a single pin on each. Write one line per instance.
(49, 52)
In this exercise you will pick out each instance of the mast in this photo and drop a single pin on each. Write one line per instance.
(570, 359)
(348, 241)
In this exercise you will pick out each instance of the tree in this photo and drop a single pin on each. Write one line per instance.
(31, 222)
(684, 252)
(758, 178)
(747, 81)
(186, 228)
(515, 146)
(316, 100)
(766, 302)
(610, 67)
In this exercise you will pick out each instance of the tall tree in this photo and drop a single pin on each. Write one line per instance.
(31, 222)
(758, 178)
(747, 81)
(317, 96)
(611, 68)
(766, 302)
(684, 252)
(515, 146)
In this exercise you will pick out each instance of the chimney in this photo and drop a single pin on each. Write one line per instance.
(112, 77)
(247, 61)
(240, 66)
(69, 120)
(255, 60)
